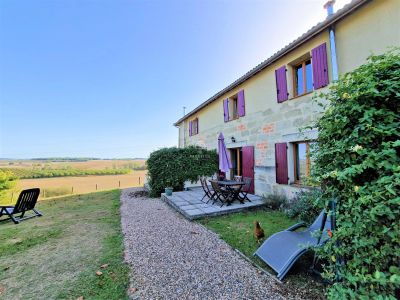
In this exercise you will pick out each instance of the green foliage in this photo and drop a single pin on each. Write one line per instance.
(7, 183)
(171, 167)
(67, 171)
(275, 201)
(305, 206)
(358, 161)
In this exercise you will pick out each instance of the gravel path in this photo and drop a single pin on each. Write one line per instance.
(173, 258)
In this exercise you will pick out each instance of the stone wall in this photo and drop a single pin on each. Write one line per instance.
(281, 123)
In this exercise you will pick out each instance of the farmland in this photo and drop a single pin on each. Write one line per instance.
(74, 176)
(51, 187)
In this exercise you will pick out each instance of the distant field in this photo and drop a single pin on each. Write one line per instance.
(58, 178)
(81, 185)
(84, 165)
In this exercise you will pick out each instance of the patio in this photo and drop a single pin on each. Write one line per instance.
(189, 204)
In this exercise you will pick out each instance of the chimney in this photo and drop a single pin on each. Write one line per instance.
(329, 7)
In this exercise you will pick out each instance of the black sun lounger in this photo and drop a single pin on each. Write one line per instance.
(26, 202)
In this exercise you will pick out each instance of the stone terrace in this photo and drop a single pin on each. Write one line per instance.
(189, 204)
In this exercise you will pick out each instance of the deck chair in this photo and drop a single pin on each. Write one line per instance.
(281, 250)
(223, 195)
(209, 193)
(26, 201)
(246, 188)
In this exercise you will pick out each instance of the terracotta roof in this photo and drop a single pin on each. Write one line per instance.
(330, 20)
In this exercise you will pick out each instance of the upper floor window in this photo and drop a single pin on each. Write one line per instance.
(234, 106)
(194, 127)
(309, 72)
(302, 78)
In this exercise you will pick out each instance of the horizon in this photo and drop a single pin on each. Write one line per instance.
(108, 79)
(74, 158)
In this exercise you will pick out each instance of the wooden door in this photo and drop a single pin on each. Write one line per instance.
(281, 163)
(248, 165)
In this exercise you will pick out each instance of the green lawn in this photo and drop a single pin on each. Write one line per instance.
(56, 256)
(237, 231)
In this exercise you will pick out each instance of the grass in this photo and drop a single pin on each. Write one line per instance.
(237, 231)
(56, 256)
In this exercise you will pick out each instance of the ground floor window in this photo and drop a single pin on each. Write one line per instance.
(302, 162)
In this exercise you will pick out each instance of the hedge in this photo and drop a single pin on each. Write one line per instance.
(171, 167)
(358, 161)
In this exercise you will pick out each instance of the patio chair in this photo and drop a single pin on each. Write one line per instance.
(245, 189)
(281, 250)
(223, 195)
(26, 201)
(208, 192)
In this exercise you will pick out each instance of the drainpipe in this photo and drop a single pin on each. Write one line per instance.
(335, 74)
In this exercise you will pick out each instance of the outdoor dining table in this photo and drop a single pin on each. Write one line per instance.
(230, 186)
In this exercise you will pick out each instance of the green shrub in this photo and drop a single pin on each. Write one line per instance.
(358, 161)
(171, 167)
(305, 206)
(7, 183)
(275, 201)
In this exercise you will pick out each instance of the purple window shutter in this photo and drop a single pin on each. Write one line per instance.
(190, 128)
(281, 84)
(248, 165)
(320, 66)
(240, 103)
(226, 110)
(281, 164)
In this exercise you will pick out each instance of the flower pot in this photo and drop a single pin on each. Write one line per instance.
(168, 191)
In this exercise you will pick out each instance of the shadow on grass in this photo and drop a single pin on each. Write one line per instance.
(57, 255)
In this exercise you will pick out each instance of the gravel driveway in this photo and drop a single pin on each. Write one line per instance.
(173, 258)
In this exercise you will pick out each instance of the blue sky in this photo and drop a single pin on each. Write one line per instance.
(109, 78)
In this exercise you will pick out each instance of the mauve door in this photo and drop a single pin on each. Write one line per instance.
(281, 163)
(248, 165)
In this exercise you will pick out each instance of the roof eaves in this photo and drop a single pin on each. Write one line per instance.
(316, 29)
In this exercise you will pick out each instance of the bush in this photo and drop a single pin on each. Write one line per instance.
(305, 206)
(7, 183)
(275, 201)
(171, 167)
(358, 161)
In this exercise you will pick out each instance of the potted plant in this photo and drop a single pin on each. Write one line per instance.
(169, 188)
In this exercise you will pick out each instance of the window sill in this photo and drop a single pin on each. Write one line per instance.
(232, 119)
(299, 96)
